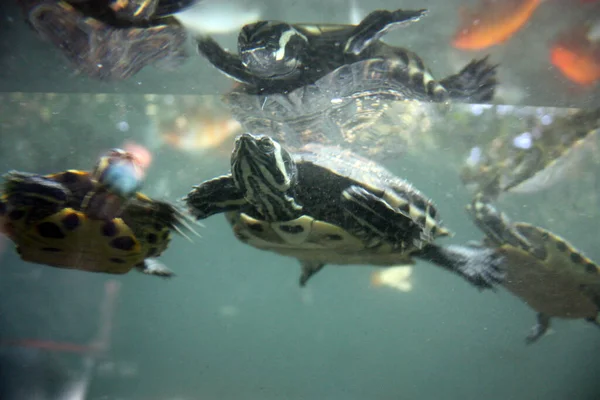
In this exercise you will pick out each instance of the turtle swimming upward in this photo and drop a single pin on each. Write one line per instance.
(94, 221)
(330, 206)
(278, 57)
(541, 268)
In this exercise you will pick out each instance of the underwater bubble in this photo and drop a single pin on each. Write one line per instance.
(547, 119)
(523, 141)
(474, 156)
(504, 109)
(476, 109)
(123, 126)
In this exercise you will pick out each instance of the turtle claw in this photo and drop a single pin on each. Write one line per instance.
(151, 266)
(475, 83)
(376, 24)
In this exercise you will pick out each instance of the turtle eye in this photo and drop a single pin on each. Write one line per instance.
(266, 144)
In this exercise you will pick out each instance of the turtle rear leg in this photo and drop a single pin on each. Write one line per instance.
(308, 270)
(475, 83)
(376, 24)
(539, 329)
(151, 266)
(480, 266)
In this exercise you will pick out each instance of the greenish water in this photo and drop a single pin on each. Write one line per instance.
(233, 323)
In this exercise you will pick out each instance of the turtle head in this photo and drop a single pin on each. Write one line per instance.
(119, 172)
(271, 49)
(266, 174)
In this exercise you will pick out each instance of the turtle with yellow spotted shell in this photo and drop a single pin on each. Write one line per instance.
(541, 268)
(92, 221)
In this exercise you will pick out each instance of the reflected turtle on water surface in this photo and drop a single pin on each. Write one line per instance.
(326, 205)
(92, 221)
(332, 84)
(542, 269)
(114, 39)
(279, 57)
(346, 105)
(530, 162)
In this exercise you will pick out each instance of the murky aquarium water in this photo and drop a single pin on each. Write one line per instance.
(345, 199)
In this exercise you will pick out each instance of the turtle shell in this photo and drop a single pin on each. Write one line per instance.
(113, 43)
(541, 268)
(65, 236)
(324, 233)
(551, 276)
(549, 154)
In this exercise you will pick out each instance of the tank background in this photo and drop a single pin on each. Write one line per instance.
(234, 324)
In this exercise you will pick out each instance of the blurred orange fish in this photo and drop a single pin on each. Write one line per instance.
(200, 132)
(576, 54)
(493, 22)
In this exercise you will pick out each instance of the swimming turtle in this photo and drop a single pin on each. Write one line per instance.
(92, 221)
(348, 104)
(114, 39)
(278, 57)
(542, 269)
(326, 205)
(532, 160)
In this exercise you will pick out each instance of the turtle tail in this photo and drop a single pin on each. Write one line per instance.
(475, 83)
(480, 266)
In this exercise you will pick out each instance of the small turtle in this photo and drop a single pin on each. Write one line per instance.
(89, 221)
(331, 206)
(114, 39)
(533, 160)
(347, 104)
(541, 268)
(278, 57)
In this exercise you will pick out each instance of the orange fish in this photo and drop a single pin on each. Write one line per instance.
(492, 23)
(576, 54)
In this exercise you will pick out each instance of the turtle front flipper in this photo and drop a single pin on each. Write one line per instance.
(229, 64)
(539, 329)
(376, 24)
(475, 83)
(34, 196)
(379, 218)
(215, 196)
(151, 266)
(309, 268)
(141, 211)
(25, 189)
